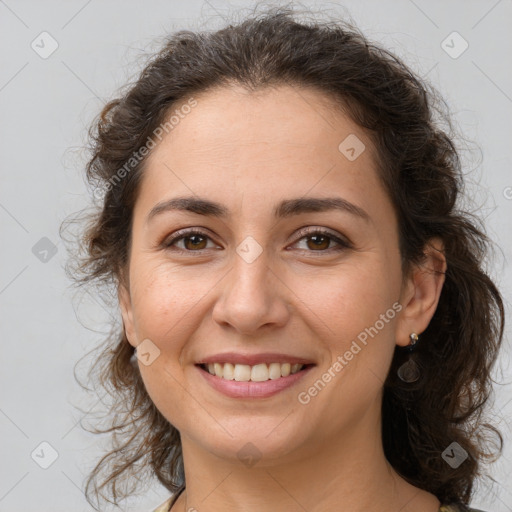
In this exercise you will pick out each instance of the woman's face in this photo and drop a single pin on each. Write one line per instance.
(260, 279)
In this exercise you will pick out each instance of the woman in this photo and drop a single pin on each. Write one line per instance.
(306, 321)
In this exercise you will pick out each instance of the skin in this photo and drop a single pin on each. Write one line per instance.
(249, 151)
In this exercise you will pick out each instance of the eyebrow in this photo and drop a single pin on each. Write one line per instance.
(285, 208)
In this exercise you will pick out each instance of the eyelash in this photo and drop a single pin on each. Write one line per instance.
(342, 244)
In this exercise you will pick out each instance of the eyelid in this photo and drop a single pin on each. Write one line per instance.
(184, 233)
(342, 241)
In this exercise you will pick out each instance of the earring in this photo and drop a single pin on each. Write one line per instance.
(409, 371)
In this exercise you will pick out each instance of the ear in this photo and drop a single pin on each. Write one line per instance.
(421, 291)
(125, 304)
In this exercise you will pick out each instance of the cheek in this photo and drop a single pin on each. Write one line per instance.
(360, 309)
(164, 301)
(354, 296)
(357, 307)
(166, 307)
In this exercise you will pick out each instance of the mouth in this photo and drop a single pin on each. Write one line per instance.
(253, 373)
(259, 381)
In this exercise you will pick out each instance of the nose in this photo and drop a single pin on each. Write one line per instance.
(253, 297)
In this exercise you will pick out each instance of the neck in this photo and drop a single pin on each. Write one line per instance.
(348, 471)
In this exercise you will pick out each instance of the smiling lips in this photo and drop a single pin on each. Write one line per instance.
(253, 376)
(254, 359)
(252, 389)
(255, 368)
(257, 373)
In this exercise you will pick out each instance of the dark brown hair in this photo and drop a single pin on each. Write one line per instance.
(421, 171)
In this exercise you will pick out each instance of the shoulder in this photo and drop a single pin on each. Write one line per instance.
(164, 507)
(458, 508)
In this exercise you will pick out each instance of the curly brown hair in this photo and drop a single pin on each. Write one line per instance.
(421, 170)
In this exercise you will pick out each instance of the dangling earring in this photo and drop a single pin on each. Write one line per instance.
(409, 371)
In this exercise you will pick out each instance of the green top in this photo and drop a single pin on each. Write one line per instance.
(166, 506)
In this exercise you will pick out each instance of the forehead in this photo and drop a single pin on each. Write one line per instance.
(236, 145)
(229, 121)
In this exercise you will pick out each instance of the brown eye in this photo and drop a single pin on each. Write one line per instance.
(193, 241)
(322, 241)
(318, 242)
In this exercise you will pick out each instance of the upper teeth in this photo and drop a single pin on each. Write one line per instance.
(256, 373)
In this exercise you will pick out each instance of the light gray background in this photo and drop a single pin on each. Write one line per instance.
(46, 106)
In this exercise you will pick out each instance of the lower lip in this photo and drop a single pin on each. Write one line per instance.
(249, 389)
